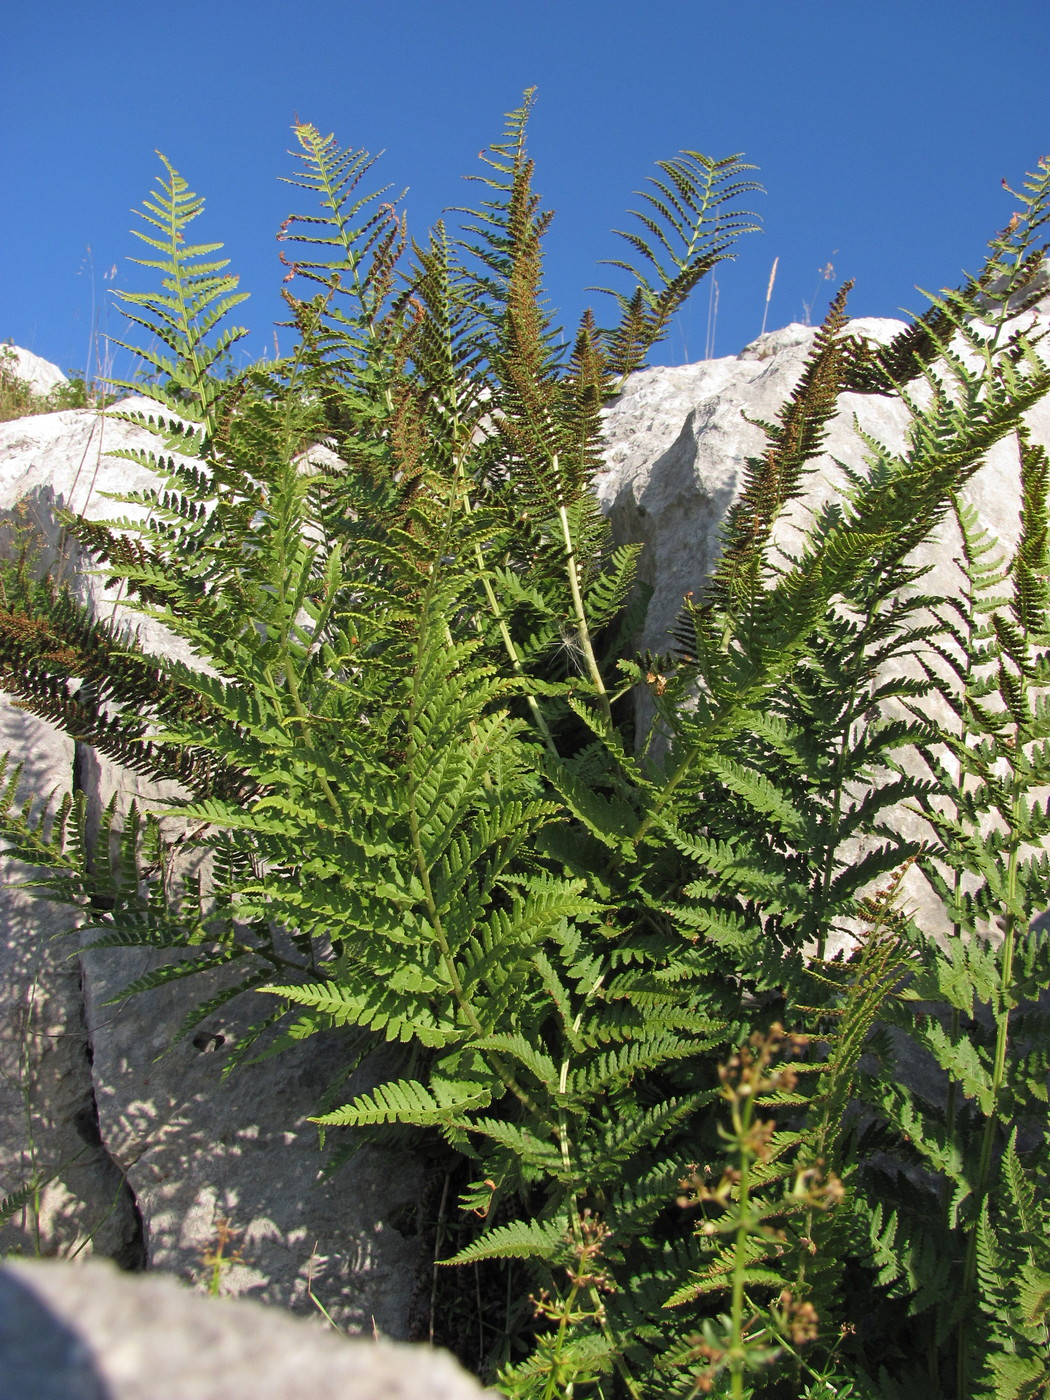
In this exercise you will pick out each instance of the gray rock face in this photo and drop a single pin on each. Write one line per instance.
(66, 459)
(90, 1333)
(678, 443)
(677, 446)
(50, 1142)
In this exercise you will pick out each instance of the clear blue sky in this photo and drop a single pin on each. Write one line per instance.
(881, 129)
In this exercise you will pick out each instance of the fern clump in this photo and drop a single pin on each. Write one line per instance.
(430, 810)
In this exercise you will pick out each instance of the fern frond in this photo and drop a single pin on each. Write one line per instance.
(405, 1101)
(690, 220)
(197, 294)
(520, 1239)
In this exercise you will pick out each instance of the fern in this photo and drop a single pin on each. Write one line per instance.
(690, 221)
(989, 869)
(1012, 1266)
(196, 295)
(430, 813)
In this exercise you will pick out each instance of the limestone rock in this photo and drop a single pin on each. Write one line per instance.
(41, 375)
(73, 1196)
(89, 1333)
(199, 1149)
(676, 447)
(678, 442)
(66, 459)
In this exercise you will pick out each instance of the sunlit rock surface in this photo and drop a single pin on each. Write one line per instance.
(41, 375)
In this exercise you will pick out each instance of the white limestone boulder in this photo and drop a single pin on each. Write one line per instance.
(66, 459)
(66, 1192)
(41, 375)
(678, 442)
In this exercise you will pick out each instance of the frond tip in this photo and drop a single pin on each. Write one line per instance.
(690, 221)
(196, 295)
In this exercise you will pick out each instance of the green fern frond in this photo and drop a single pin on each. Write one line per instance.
(351, 250)
(20, 1199)
(406, 1101)
(520, 1239)
(774, 479)
(690, 221)
(373, 1007)
(196, 296)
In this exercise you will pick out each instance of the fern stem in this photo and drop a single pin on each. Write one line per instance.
(987, 1145)
(463, 491)
(992, 1121)
(952, 1102)
(554, 1376)
(175, 226)
(434, 914)
(999, 1067)
(311, 139)
(667, 792)
(438, 1239)
(566, 1156)
(572, 569)
(835, 805)
(449, 963)
(303, 716)
(512, 651)
(737, 1353)
(504, 631)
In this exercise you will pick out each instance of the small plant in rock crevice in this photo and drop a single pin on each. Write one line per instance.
(221, 1255)
(433, 814)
